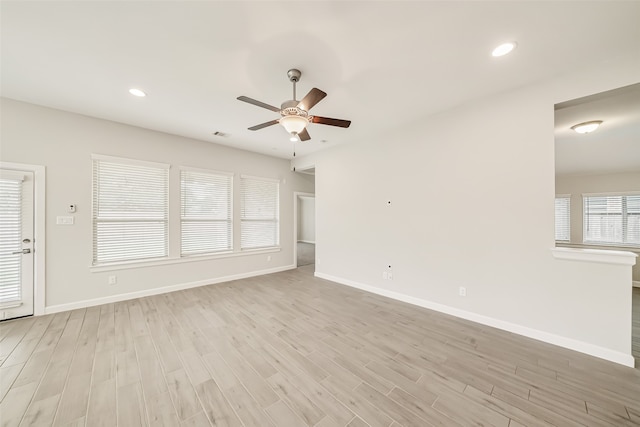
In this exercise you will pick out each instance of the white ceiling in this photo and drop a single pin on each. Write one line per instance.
(382, 63)
(613, 147)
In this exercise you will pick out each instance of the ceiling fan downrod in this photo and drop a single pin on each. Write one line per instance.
(294, 77)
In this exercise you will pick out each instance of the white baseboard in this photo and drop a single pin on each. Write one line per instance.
(155, 291)
(636, 284)
(583, 347)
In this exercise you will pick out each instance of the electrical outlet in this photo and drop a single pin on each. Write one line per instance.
(390, 276)
(268, 258)
(113, 280)
(462, 291)
(385, 275)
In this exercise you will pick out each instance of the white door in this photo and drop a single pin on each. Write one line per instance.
(16, 243)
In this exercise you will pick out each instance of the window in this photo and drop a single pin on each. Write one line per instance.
(612, 219)
(130, 210)
(205, 212)
(259, 215)
(563, 215)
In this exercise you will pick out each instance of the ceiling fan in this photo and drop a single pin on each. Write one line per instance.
(295, 114)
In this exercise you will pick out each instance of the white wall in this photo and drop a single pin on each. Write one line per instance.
(576, 185)
(63, 143)
(306, 219)
(472, 193)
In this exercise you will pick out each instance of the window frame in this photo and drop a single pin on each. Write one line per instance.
(230, 212)
(244, 220)
(568, 218)
(624, 216)
(96, 219)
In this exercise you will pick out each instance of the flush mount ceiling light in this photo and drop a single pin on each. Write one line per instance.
(503, 49)
(137, 92)
(587, 127)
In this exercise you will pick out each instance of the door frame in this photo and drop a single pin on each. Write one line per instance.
(296, 196)
(39, 222)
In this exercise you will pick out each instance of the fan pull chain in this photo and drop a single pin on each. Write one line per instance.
(294, 155)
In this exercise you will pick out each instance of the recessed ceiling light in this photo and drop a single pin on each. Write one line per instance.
(503, 49)
(587, 127)
(137, 92)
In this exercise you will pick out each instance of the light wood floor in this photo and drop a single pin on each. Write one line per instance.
(291, 350)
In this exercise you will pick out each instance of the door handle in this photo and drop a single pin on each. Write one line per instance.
(24, 251)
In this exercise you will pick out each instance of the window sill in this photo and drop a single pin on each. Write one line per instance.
(595, 255)
(612, 247)
(169, 261)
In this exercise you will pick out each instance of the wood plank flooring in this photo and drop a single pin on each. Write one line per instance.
(289, 349)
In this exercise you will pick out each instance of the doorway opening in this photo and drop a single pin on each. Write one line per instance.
(597, 179)
(304, 224)
(306, 233)
(305, 229)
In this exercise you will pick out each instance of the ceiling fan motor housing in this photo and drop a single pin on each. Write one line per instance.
(290, 108)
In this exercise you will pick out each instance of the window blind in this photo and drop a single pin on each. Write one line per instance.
(259, 213)
(130, 210)
(612, 220)
(10, 239)
(563, 221)
(206, 222)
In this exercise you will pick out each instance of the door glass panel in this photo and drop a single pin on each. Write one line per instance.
(10, 240)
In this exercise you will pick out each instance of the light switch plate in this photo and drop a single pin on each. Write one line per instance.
(64, 220)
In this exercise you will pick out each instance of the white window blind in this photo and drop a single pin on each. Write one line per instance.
(205, 212)
(259, 216)
(10, 239)
(130, 210)
(612, 219)
(563, 215)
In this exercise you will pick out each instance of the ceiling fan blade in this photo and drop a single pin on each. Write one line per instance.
(304, 135)
(331, 122)
(314, 96)
(263, 125)
(258, 103)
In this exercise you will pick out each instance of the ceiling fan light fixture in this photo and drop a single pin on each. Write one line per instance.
(294, 124)
(587, 127)
(294, 114)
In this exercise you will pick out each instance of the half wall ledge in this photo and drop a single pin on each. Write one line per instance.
(595, 255)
